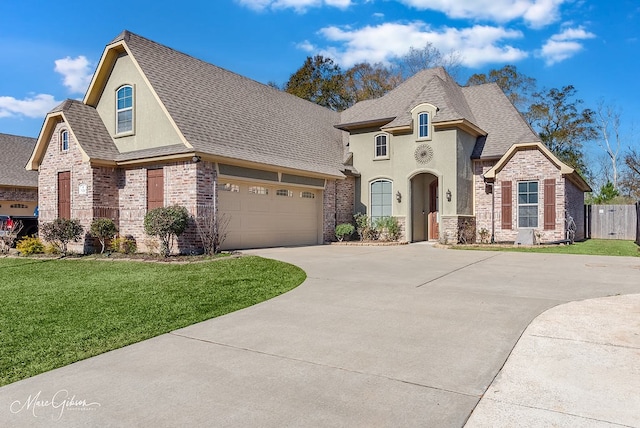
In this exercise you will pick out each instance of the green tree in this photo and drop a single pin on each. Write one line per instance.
(556, 115)
(320, 81)
(103, 229)
(61, 231)
(166, 223)
(516, 86)
(606, 194)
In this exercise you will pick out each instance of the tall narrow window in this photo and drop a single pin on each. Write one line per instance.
(124, 110)
(423, 125)
(528, 204)
(381, 193)
(381, 146)
(64, 140)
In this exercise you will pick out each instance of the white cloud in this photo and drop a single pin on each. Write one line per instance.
(306, 46)
(564, 45)
(76, 72)
(36, 106)
(536, 13)
(299, 6)
(476, 46)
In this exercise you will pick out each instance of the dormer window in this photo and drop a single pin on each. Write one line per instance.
(382, 146)
(64, 140)
(124, 110)
(423, 125)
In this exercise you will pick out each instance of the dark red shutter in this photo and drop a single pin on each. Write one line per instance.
(550, 204)
(507, 204)
(64, 194)
(155, 188)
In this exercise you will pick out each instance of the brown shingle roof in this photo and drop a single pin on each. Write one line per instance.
(485, 106)
(504, 124)
(14, 155)
(225, 114)
(88, 128)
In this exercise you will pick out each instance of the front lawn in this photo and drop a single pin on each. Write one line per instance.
(595, 247)
(56, 312)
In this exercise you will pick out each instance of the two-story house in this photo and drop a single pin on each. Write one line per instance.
(158, 127)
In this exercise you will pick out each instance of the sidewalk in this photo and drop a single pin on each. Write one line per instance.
(577, 364)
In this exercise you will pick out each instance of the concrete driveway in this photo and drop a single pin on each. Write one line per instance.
(376, 336)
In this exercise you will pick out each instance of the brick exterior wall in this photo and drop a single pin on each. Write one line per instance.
(574, 205)
(338, 206)
(18, 194)
(329, 211)
(525, 165)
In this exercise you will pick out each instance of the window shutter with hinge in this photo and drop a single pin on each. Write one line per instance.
(507, 205)
(550, 204)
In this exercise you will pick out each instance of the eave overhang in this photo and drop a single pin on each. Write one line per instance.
(565, 169)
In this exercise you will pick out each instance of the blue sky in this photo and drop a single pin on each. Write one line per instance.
(51, 50)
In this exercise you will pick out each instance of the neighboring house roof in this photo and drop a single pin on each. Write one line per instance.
(565, 169)
(484, 107)
(14, 154)
(227, 115)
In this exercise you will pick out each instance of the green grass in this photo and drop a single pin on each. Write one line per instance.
(55, 312)
(595, 247)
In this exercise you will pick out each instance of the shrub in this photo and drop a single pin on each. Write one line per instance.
(61, 231)
(103, 229)
(364, 228)
(166, 223)
(389, 227)
(484, 235)
(212, 229)
(30, 245)
(123, 244)
(344, 230)
(51, 249)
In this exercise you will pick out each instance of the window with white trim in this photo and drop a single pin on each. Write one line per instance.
(258, 190)
(528, 204)
(64, 140)
(307, 195)
(381, 199)
(382, 146)
(284, 192)
(124, 109)
(423, 125)
(228, 187)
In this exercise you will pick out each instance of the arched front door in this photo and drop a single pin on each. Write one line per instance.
(424, 207)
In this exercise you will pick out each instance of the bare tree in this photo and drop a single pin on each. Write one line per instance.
(212, 229)
(429, 56)
(607, 120)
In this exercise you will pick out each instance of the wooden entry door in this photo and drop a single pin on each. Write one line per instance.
(433, 211)
(64, 194)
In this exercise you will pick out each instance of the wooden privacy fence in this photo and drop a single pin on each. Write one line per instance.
(613, 222)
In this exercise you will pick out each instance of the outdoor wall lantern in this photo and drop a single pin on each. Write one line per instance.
(448, 195)
(398, 196)
(196, 159)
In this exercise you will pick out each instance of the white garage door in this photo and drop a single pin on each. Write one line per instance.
(270, 215)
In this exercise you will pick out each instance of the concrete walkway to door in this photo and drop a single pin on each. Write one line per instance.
(376, 336)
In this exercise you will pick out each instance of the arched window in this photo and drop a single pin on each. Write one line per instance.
(64, 140)
(423, 125)
(381, 199)
(124, 109)
(382, 147)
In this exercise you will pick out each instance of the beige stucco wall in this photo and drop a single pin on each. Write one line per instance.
(450, 163)
(152, 127)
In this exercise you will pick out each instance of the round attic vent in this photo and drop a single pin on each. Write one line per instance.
(423, 153)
